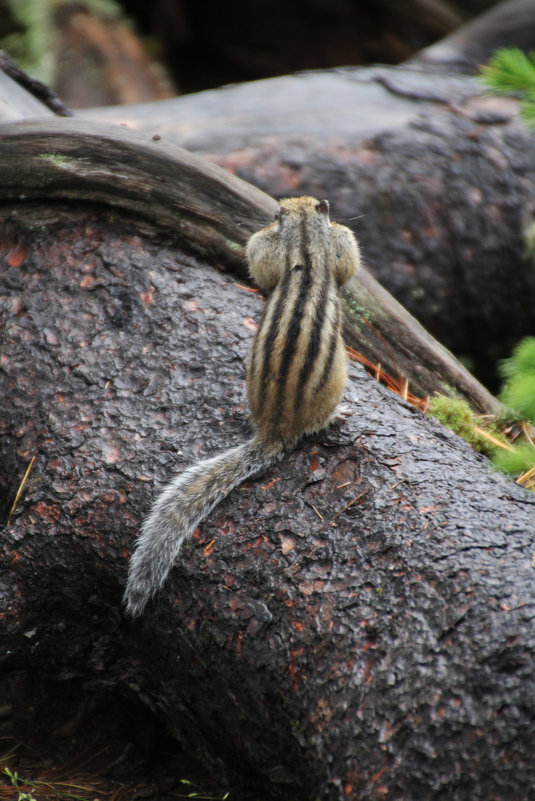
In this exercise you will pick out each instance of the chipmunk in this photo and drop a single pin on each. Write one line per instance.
(295, 377)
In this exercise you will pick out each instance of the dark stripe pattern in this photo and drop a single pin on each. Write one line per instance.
(315, 338)
(335, 333)
(308, 288)
(274, 328)
(294, 328)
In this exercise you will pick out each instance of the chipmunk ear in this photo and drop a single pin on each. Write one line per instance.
(323, 207)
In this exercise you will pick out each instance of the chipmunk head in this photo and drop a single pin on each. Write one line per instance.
(300, 206)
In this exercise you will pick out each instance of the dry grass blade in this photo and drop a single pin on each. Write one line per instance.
(528, 432)
(527, 479)
(491, 438)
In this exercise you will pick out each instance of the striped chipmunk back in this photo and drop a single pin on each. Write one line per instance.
(297, 370)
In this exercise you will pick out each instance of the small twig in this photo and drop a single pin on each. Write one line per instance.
(209, 548)
(346, 507)
(36, 88)
(19, 491)
(527, 433)
(251, 289)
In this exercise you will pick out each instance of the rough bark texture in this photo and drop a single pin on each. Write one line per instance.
(212, 213)
(356, 624)
(202, 205)
(382, 651)
(436, 178)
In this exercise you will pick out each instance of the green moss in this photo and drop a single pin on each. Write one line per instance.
(518, 396)
(517, 461)
(518, 372)
(456, 414)
(59, 159)
(357, 310)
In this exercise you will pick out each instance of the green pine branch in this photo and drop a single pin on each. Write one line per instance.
(511, 71)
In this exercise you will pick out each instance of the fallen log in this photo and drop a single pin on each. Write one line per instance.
(214, 213)
(358, 622)
(436, 178)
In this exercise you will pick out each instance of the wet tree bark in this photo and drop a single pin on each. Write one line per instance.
(358, 622)
(213, 213)
(436, 178)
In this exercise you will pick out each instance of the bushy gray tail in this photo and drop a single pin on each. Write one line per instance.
(176, 513)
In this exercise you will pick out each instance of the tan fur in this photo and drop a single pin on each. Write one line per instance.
(301, 235)
(295, 377)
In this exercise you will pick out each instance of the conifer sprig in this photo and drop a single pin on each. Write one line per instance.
(511, 71)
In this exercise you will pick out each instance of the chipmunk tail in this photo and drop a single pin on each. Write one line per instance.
(179, 509)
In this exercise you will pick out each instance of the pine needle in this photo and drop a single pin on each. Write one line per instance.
(491, 438)
(527, 479)
(19, 491)
(510, 71)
